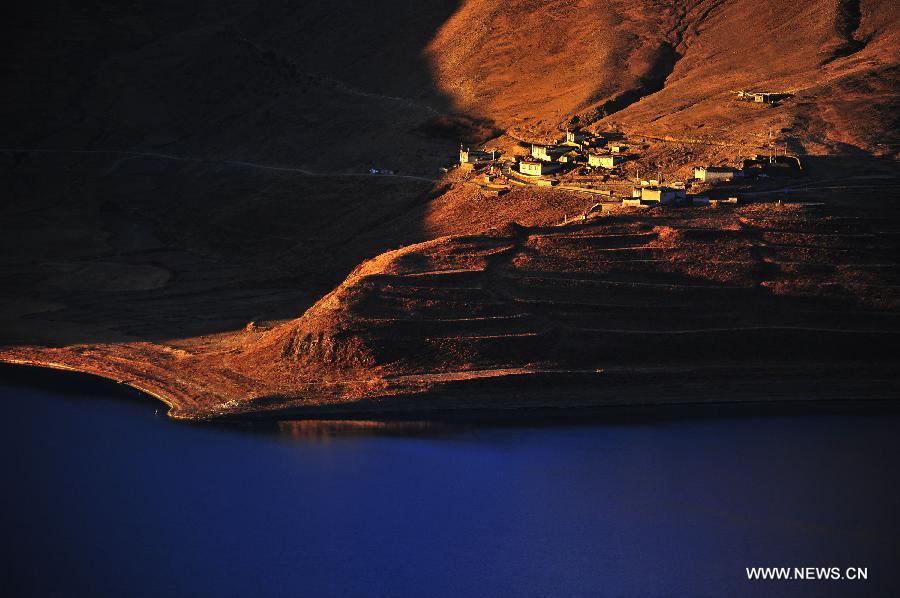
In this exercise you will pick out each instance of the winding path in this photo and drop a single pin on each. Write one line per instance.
(239, 163)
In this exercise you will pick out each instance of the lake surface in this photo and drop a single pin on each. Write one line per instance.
(103, 497)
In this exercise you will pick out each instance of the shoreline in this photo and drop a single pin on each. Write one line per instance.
(25, 364)
(572, 413)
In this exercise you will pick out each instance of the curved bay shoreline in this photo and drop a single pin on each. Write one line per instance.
(446, 406)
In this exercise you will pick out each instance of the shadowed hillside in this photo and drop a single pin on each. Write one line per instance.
(179, 168)
(305, 85)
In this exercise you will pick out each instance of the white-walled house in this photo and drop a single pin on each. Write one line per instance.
(537, 167)
(605, 160)
(712, 174)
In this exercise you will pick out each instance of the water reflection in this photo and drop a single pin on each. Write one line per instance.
(105, 499)
(329, 429)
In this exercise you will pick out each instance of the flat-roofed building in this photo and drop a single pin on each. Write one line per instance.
(548, 153)
(762, 97)
(712, 174)
(537, 167)
(571, 156)
(661, 195)
(605, 160)
(575, 137)
(469, 156)
(769, 97)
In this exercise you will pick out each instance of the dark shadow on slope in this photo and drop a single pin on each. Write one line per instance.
(661, 67)
(111, 248)
(849, 17)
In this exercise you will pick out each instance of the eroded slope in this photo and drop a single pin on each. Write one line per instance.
(673, 67)
(754, 288)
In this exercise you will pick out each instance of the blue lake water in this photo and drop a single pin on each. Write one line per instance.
(103, 497)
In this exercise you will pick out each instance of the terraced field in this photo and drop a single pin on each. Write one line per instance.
(691, 304)
(758, 298)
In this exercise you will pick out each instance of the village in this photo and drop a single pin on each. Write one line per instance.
(608, 167)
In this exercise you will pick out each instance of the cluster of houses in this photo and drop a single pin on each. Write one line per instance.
(576, 148)
(598, 153)
(655, 192)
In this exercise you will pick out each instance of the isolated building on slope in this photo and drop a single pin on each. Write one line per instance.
(762, 97)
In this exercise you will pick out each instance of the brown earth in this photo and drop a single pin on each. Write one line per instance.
(188, 209)
(672, 68)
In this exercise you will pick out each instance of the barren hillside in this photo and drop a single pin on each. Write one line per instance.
(673, 67)
(191, 205)
(355, 82)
